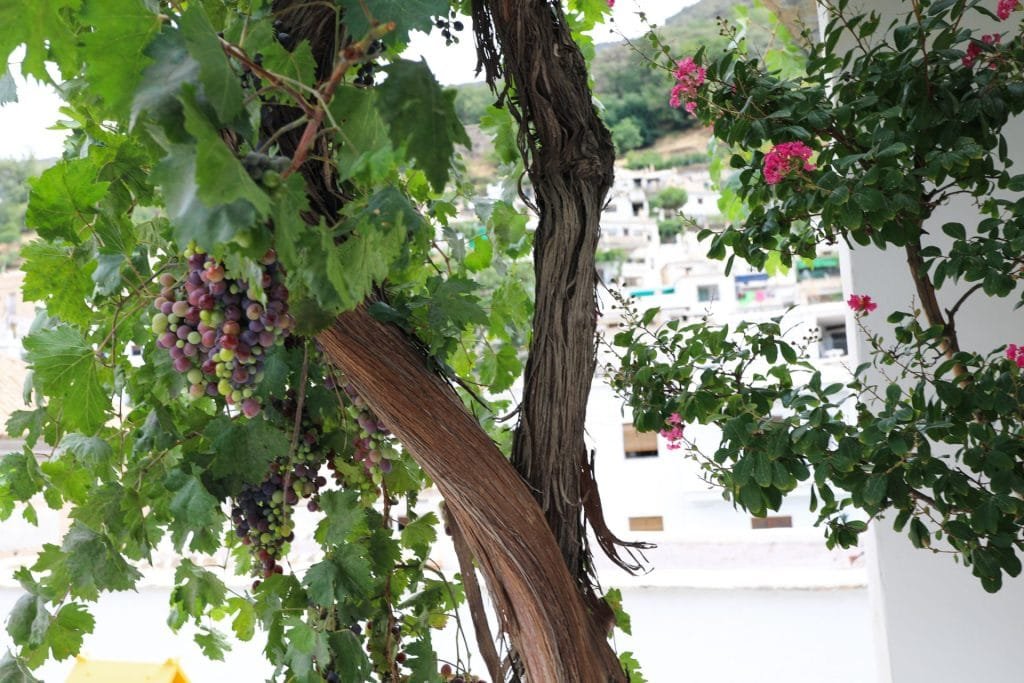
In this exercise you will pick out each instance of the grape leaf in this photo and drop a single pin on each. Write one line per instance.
(420, 533)
(364, 147)
(194, 512)
(352, 663)
(71, 375)
(242, 451)
(221, 85)
(212, 643)
(220, 175)
(85, 564)
(46, 33)
(20, 475)
(15, 671)
(63, 199)
(67, 630)
(195, 221)
(408, 15)
(28, 621)
(421, 661)
(195, 590)
(114, 49)
(342, 516)
(421, 115)
(366, 255)
(46, 263)
(91, 452)
(172, 67)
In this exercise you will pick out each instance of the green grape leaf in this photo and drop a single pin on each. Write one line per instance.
(63, 199)
(13, 670)
(212, 643)
(67, 630)
(172, 67)
(342, 516)
(499, 369)
(244, 623)
(28, 621)
(114, 50)
(71, 376)
(195, 511)
(46, 33)
(363, 145)
(366, 255)
(420, 533)
(195, 590)
(421, 661)
(453, 303)
(85, 564)
(220, 175)
(46, 263)
(242, 451)
(408, 15)
(221, 85)
(20, 475)
(195, 221)
(353, 665)
(421, 115)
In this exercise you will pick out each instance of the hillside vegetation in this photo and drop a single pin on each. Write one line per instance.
(634, 94)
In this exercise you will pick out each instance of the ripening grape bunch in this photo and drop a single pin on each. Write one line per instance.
(372, 440)
(216, 330)
(262, 513)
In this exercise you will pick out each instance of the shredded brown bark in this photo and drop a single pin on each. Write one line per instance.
(535, 561)
(570, 161)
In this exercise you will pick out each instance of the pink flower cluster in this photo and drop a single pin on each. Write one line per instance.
(861, 303)
(689, 77)
(611, 3)
(785, 158)
(974, 49)
(1005, 7)
(674, 434)
(1016, 354)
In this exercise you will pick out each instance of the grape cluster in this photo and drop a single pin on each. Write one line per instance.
(447, 26)
(371, 447)
(262, 513)
(364, 76)
(216, 330)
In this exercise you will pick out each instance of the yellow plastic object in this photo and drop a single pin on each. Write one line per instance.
(97, 671)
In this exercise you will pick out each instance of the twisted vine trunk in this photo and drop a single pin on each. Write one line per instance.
(537, 600)
(528, 539)
(569, 158)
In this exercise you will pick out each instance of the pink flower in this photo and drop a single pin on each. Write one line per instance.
(689, 77)
(1005, 7)
(611, 3)
(974, 49)
(785, 158)
(861, 303)
(674, 434)
(1016, 354)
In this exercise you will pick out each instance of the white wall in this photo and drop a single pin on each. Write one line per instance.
(935, 622)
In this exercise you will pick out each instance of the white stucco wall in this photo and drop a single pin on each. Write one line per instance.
(934, 621)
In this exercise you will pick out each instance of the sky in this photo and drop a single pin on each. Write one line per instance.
(27, 124)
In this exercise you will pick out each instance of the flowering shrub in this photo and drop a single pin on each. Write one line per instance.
(689, 78)
(936, 437)
(786, 158)
(861, 303)
(674, 433)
